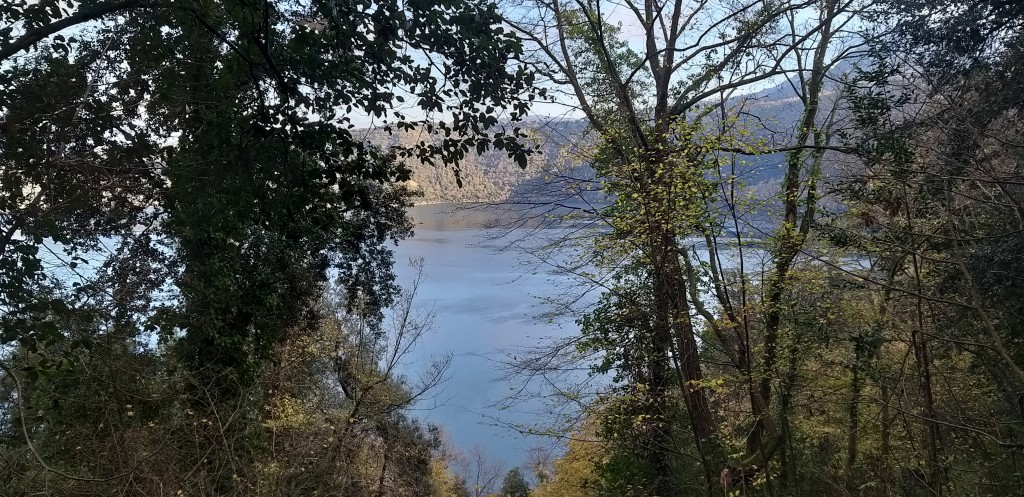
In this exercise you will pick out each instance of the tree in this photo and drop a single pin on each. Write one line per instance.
(313, 434)
(262, 172)
(480, 474)
(446, 483)
(671, 124)
(186, 175)
(514, 485)
(575, 474)
(936, 164)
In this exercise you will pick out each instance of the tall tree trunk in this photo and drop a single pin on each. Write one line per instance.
(933, 433)
(853, 425)
(673, 307)
(660, 446)
(922, 356)
(681, 340)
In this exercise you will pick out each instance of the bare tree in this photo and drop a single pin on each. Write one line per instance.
(370, 357)
(481, 474)
(667, 88)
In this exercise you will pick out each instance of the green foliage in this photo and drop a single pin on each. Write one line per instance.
(951, 35)
(575, 473)
(208, 145)
(179, 182)
(87, 421)
(850, 327)
(514, 484)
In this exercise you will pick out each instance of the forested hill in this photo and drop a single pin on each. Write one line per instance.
(771, 113)
(492, 176)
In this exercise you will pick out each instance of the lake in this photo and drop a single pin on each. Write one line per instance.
(485, 297)
(484, 301)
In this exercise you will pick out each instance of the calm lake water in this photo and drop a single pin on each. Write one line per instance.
(484, 301)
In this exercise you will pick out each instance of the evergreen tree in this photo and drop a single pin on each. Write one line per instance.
(514, 484)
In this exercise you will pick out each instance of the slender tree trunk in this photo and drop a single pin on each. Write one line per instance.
(933, 433)
(853, 425)
(922, 357)
(383, 471)
(791, 238)
(681, 339)
(660, 445)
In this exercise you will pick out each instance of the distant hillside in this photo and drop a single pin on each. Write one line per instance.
(493, 176)
(770, 114)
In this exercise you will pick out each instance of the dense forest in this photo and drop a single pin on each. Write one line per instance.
(801, 222)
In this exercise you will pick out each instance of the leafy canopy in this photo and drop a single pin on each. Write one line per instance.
(193, 166)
